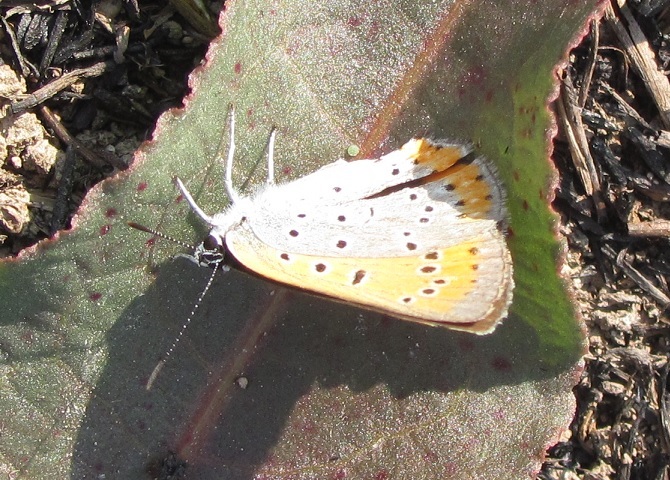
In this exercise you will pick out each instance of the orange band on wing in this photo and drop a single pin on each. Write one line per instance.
(425, 288)
(426, 154)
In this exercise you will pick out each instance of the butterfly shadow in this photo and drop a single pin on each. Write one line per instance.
(255, 357)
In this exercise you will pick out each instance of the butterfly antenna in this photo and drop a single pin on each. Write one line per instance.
(163, 361)
(271, 157)
(270, 180)
(191, 202)
(228, 176)
(155, 233)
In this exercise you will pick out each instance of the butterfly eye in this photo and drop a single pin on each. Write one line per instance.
(211, 243)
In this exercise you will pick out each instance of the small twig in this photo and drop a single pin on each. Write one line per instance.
(649, 153)
(61, 83)
(197, 15)
(663, 139)
(664, 407)
(571, 121)
(625, 106)
(27, 69)
(655, 228)
(61, 206)
(625, 176)
(588, 71)
(98, 159)
(638, 277)
(643, 59)
(55, 36)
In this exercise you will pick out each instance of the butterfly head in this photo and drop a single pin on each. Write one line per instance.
(211, 252)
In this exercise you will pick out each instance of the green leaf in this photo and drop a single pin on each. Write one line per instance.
(333, 391)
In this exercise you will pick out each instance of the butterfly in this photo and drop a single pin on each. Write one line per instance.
(417, 234)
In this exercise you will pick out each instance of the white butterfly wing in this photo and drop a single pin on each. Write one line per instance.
(417, 236)
(418, 160)
(427, 209)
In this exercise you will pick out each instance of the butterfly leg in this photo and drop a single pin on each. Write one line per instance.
(228, 177)
(271, 157)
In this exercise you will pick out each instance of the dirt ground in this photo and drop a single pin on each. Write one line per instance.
(612, 155)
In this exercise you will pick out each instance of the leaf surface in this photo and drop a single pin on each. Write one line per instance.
(333, 391)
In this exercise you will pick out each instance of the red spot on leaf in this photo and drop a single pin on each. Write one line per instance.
(180, 198)
(430, 456)
(142, 186)
(292, 48)
(151, 242)
(355, 21)
(475, 76)
(381, 475)
(307, 426)
(238, 68)
(110, 213)
(524, 205)
(95, 296)
(501, 364)
(471, 444)
(373, 31)
(286, 170)
(339, 474)
(104, 230)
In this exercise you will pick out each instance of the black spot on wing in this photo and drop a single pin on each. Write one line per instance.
(358, 277)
